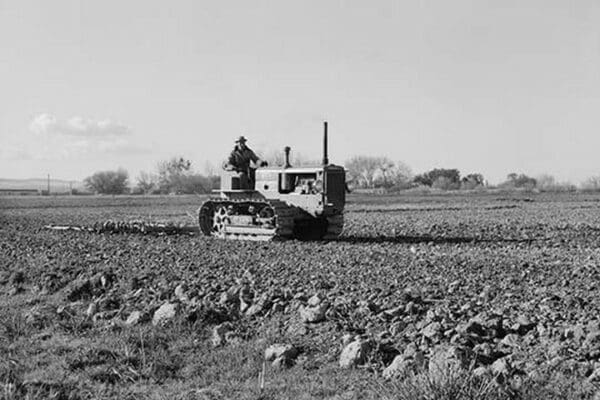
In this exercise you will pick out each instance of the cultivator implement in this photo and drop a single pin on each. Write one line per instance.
(139, 227)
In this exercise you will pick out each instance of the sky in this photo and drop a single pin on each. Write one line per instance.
(483, 86)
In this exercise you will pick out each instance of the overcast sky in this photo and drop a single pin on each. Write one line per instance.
(483, 86)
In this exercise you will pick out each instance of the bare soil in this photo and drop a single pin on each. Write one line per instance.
(504, 276)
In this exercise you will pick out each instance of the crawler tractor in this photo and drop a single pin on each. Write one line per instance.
(284, 203)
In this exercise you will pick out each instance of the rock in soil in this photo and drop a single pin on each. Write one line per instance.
(219, 334)
(164, 314)
(313, 314)
(354, 354)
(282, 355)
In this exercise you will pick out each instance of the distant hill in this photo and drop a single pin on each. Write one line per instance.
(56, 185)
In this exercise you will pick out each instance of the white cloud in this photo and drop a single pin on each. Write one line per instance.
(75, 138)
(46, 124)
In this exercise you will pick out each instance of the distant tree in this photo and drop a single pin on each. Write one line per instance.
(362, 171)
(377, 172)
(385, 169)
(108, 182)
(176, 176)
(548, 183)
(422, 179)
(591, 184)
(514, 180)
(445, 183)
(545, 181)
(441, 178)
(392, 175)
(368, 171)
(197, 183)
(275, 158)
(471, 181)
(146, 182)
(172, 173)
(209, 169)
(399, 176)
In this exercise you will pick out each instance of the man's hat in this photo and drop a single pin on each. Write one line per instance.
(241, 139)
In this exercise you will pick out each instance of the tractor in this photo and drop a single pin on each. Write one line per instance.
(285, 202)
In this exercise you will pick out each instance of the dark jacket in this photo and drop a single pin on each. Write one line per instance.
(240, 159)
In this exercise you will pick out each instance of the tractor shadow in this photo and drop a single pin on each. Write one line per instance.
(400, 239)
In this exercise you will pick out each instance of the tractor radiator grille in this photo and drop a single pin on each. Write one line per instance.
(335, 189)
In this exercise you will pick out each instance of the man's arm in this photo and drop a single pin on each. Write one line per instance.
(256, 159)
(231, 163)
(231, 159)
(252, 156)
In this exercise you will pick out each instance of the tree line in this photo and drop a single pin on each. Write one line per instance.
(176, 176)
(368, 172)
(173, 176)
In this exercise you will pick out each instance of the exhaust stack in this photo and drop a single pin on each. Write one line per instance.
(325, 158)
(286, 150)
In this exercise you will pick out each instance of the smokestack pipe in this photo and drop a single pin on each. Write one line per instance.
(325, 159)
(286, 150)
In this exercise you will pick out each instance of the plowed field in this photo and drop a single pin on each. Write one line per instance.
(510, 280)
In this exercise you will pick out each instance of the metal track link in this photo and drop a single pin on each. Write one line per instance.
(284, 220)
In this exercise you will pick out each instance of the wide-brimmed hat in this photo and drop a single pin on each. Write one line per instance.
(241, 139)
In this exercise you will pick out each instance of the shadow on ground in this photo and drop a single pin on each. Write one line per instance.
(427, 239)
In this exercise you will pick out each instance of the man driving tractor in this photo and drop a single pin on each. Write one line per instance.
(244, 161)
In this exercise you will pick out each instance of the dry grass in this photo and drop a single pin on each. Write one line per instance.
(67, 359)
(464, 385)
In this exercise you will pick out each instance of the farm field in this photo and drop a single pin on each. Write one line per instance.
(498, 292)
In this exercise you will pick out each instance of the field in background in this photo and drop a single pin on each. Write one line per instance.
(507, 280)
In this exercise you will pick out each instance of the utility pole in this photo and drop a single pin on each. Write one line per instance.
(48, 184)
